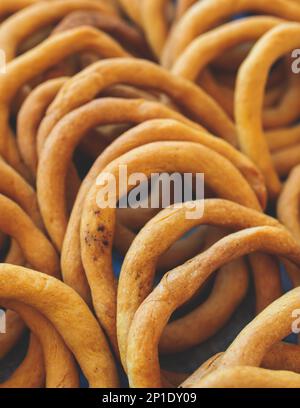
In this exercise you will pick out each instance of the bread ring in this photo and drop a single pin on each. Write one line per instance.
(250, 134)
(61, 371)
(230, 288)
(30, 116)
(22, 376)
(129, 37)
(13, 186)
(53, 170)
(107, 73)
(218, 41)
(154, 130)
(254, 341)
(202, 16)
(96, 242)
(69, 315)
(131, 279)
(135, 218)
(35, 246)
(175, 288)
(20, 26)
(155, 24)
(17, 74)
(173, 129)
(17, 189)
(38, 251)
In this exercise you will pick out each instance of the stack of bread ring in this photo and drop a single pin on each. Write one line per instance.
(186, 86)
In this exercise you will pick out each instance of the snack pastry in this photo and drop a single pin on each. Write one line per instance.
(250, 130)
(204, 15)
(186, 87)
(31, 19)
(17, 75)
(97, 226)
(104, 74)
(153, 130)
(147, 374)
(71, 317)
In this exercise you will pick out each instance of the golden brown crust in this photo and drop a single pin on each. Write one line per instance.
(36, 248)
(128, 36)
(131, 280)
(202, 16)
(288, 203)
(36, 61)
(155, 23)
(58, 150)
(13, 186)
(230, 287)
(20, 26)
(182, 157)
(209, 46)
(60, 367)
(30, 117)
(140, 73)
(228, 108)
(175, 288)
(69, 315)
(132, 9)
(249, 96)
